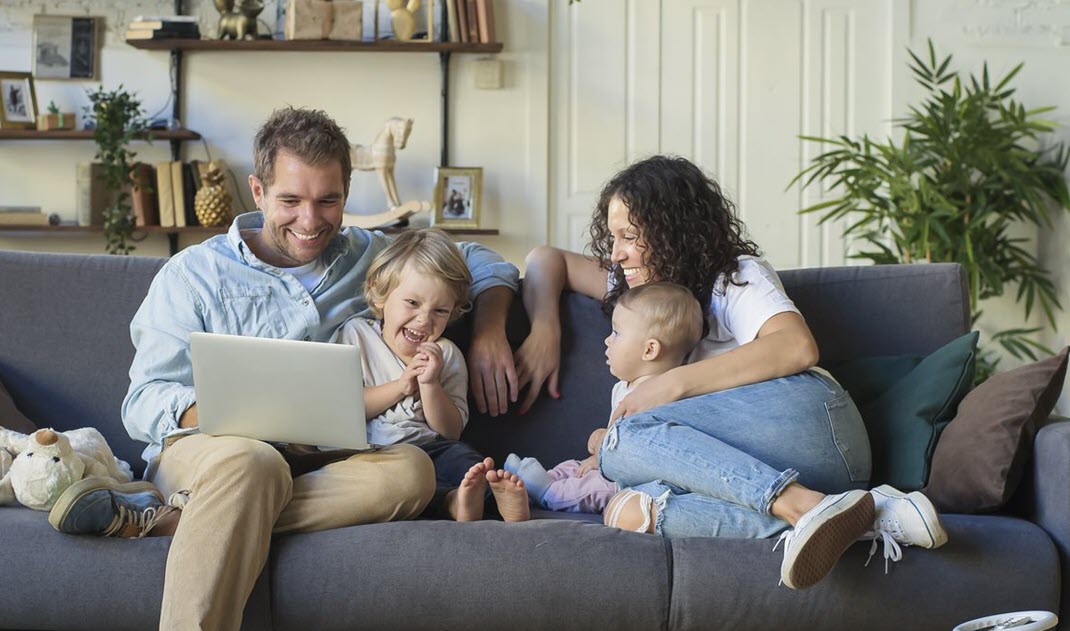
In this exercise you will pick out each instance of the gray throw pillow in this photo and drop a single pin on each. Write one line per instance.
(10, 417)
(983, 453)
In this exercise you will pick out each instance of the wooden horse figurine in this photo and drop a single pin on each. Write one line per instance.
(382, 155)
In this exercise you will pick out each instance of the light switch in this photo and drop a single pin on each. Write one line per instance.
(488, 74)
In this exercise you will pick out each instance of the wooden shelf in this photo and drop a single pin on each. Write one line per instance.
(87, 134)
(201, 230)
(315, 45)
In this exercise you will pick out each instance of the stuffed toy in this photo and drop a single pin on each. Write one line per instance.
(36, 469)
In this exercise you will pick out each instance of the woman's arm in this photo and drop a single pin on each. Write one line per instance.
(549, 272)
(784, 346)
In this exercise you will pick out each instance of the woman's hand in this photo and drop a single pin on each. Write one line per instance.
(588, 465)
(430, 354)
(538, 361)
(658, 390)
(594, 443)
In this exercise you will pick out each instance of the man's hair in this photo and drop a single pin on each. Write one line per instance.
(673, 315)
(429, 251)
(310, 135)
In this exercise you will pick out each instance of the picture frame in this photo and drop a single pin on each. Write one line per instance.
(458, 197)
(66, 47)
(18, 102)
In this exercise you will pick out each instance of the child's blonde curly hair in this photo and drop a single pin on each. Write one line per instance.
(430, 251)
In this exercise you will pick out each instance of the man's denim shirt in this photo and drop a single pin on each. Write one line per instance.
(220, 286)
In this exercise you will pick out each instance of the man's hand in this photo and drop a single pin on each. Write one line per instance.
(588, 465)
(430, 354)
(188, 418)
(594, 443)
(538, 361)
(491, 374)
(657, 390)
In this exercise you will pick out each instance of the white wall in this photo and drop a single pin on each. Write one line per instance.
(228, 95)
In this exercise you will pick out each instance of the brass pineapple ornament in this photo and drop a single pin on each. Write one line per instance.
(212, 202)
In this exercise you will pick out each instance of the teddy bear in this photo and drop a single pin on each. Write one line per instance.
(35, 469)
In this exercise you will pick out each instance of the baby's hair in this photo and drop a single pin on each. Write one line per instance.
(431, 252)
(673, 315)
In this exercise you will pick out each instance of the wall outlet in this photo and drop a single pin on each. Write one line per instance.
(489, 74)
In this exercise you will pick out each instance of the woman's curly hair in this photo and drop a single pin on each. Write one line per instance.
(690, 228)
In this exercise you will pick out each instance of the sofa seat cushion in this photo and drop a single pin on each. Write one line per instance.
(543, 574)
(991, 564)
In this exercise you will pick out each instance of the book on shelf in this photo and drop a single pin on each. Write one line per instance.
(189, 191)
(451, 21)
(92, 196)
(164, 197)
(473, 21)
(20, 209)
(154, 19)
(485, 12)
(176, 31)
(23, 219)
(462, 19)
(143, 196)
(178, 194)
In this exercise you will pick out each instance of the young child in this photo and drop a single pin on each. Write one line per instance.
(415, 383)
(655, 326)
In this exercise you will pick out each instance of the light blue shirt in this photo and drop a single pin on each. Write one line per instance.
(220, 286)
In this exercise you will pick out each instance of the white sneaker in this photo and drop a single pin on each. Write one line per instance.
(822, 535)
(909, 519)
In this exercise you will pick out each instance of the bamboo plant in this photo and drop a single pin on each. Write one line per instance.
(972, 163)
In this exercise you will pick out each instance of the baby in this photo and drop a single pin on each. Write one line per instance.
(655, 327)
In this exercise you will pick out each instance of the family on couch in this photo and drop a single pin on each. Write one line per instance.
(719, 446)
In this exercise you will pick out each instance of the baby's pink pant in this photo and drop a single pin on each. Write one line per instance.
(573, 494)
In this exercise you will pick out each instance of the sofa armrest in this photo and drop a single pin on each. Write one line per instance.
(1051, 497)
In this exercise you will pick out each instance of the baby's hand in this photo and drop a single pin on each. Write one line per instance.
(588, 465)
(594, 443)
(408, 378)
(431, 355)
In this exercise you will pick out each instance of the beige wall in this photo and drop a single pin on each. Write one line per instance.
(229, 94)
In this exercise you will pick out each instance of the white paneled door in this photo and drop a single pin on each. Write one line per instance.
(729, 84)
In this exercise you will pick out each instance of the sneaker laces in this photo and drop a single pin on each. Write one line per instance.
(786, 538)
(892, 549)
(143, 521)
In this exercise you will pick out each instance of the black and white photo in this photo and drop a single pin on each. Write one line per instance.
(18, 104)
(457, 197)
(65, 47)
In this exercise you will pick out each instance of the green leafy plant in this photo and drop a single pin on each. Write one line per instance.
(971, 164)
(118, 119)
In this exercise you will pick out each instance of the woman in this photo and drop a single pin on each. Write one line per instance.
(717, 447)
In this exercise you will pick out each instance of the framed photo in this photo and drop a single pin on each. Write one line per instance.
(457, 197)
(18, 103)
(65, 47)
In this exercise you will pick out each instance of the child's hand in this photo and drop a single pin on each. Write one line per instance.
(588, 465)
(595, 441)
(430, 355)
(408, 378)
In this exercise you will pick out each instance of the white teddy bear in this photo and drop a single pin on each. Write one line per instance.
(36, 469)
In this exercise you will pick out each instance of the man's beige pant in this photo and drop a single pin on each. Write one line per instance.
(241, 492)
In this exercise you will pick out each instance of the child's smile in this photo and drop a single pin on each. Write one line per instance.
(416, 312)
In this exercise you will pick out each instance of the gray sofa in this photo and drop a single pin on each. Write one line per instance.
(64, 354)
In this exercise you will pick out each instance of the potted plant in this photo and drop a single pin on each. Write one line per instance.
(118, 119)
(972, 163)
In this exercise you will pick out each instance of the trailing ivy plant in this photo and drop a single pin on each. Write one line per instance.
(118, 119)
(971, 164)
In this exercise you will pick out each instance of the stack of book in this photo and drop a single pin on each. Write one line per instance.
(22, 216)
(164, 27)
(471, 21)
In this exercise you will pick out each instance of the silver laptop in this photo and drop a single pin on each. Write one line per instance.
(279, 390)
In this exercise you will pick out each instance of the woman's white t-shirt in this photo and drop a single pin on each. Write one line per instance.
(737, 312)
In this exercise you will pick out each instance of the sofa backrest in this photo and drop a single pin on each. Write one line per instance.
(65, 347)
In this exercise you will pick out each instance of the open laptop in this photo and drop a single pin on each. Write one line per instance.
(282, 391)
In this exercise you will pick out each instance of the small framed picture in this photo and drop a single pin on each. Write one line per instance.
(457, 197)
(65, 47)
(19, 103)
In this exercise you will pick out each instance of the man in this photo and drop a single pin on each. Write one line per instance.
(288, 271)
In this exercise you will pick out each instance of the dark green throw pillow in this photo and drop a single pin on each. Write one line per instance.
(905, 421)
(869, 377)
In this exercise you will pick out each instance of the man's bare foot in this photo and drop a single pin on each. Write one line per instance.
(465, 503)
(510, 495)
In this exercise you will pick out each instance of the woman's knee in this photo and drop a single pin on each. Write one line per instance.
(631, 510)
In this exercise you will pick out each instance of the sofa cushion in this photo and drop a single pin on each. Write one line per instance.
(983, 452)
(989, 565)
(559, 574)
(10, 417)
(905, 421)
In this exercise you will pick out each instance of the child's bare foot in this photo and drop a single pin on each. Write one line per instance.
(510, 495)
(465, 503)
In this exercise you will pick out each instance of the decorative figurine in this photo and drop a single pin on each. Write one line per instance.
(403, 18)
(382, 155)
(240, 24)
